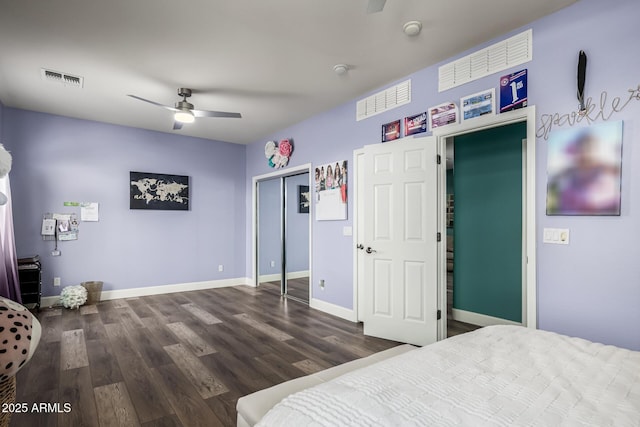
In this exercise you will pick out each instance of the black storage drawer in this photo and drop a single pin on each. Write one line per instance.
(30, 276)
(29, 288)
(31, 299)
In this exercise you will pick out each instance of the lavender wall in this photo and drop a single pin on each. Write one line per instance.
(590, 288)
(57, 159)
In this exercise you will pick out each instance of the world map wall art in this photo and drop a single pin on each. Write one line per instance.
(158, 191)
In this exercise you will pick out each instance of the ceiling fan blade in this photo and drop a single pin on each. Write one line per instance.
(177, 125)
(375, 6)
(203, 113)
(153, 102)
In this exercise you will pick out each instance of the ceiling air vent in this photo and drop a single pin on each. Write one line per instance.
(63, 78)
(387, 99)
(508, 53)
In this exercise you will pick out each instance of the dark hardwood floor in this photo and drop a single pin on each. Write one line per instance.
(176, 359)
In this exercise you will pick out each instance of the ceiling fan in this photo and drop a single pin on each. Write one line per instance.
(184, 111)
(375, 6)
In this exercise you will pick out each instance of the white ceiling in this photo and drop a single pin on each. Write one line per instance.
(270, 60)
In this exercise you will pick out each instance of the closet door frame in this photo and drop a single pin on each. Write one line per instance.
(297, 170)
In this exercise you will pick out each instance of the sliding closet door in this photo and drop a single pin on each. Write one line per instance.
(283, 236)
(270, 235)
(296, 248)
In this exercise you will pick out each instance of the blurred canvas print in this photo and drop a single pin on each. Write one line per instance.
(583, 170)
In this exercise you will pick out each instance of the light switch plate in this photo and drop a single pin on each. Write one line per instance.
(556, 236)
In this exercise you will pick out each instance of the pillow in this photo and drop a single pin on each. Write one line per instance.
(19, 337)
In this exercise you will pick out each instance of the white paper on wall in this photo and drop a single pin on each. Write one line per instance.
(331, 191)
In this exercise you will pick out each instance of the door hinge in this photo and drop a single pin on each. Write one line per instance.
(439, 237)
(439, 315)
(439, 159)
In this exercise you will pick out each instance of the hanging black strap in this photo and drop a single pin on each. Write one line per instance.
(582, 74)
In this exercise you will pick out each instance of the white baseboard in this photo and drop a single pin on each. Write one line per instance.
(335, 310)
(49, 301)
(269, 278)
(480, 319)
(290, 275)
(298, 274)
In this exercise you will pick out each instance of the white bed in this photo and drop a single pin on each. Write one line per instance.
(495, 376)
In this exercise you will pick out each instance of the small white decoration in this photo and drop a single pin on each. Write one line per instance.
(73, 296)
(278, 156)
(270, 149)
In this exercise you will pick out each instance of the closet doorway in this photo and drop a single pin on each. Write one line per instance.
(485, 218)
(282, 233)
(527, 315)
(488, 193)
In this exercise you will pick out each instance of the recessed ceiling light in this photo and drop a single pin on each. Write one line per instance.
(340, 69)
(412, 28)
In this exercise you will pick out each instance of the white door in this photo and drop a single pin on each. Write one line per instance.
(399, 240)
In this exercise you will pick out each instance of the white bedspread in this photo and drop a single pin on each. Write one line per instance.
(495, 376)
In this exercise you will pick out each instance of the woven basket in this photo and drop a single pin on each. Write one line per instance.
(94, 292)
(7, 395)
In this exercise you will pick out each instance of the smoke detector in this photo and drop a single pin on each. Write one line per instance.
(340, 69)
(412, 28)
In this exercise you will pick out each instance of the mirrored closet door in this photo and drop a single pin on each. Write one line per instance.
(283, 236)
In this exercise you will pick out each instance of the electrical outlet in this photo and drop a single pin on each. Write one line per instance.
(220, 267)
(322, 284)
(56, 281)
(55, 253)
(273, 263)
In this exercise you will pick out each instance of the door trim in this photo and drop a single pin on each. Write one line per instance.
(529, 303)
(296, 170)
(358, 290)
(528, 115)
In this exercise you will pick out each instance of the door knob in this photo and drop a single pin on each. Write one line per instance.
(370, 251)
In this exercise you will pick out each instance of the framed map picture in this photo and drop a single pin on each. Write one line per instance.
(158, 191)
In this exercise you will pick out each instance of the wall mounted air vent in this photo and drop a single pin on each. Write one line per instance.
(63, 78)
(387, 99)
(508, 53)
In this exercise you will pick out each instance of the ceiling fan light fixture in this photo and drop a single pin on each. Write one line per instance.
(184, 116)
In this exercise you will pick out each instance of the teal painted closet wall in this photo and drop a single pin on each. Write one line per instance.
(487, 180)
